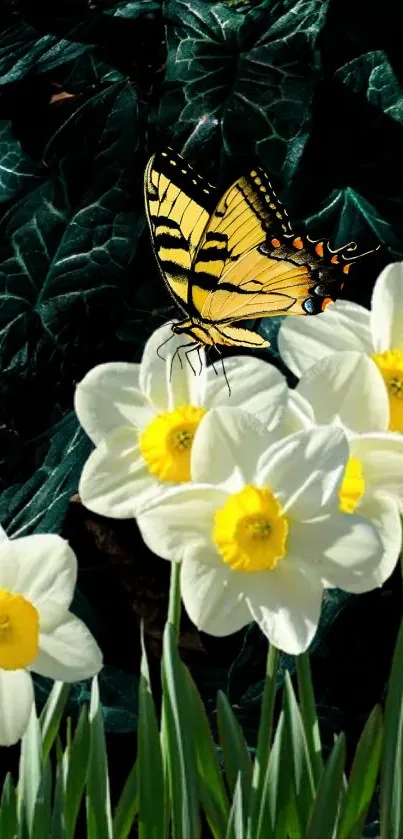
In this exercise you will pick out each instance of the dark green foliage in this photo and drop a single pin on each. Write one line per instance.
(312, 90)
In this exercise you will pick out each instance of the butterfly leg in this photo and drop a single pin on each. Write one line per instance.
(163, 345)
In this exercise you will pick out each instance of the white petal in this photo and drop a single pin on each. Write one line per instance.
(305, 470)
(213, 598)
(299, 414)
(173, 381)
(226, 448)
(342, 326)
(181, 520)
(68, 653)
(16, 700)
(43, 568)
(116, 480)
(342, 550)
(387, 309)
(3, 535)
(286, 603)
(255, 385)
(108, 397)
(347, 388)
(381, 457)
(383, 513)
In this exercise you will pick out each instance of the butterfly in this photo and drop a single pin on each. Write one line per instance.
(234, 257)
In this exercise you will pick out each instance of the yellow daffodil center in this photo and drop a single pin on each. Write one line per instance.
(19, 631)
(166, 442)
(390, 364)
(250, 530)
(353, 486)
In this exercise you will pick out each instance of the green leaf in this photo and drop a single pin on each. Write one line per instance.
(363, 777)
(19, 173)
(99, 822)
(150, 773)
(25, 48)
(127, 806)
(58, 830)
(237, 761)
(309, 715)
(244, 81)
(65, 249)
(391, 789)
(77, 756)
(8, 810)
(179, 746)
(301, 769)
(40, 503)
(212, 792)
(275, 790)
(51, 716)
(323, 819)
(42, 819)
(30, 770)
(237, 817)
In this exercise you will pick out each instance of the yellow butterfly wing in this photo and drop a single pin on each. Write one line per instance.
(258, 285)
(177, 219)
(233, 277)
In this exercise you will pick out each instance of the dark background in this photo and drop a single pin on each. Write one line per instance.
(312, 90)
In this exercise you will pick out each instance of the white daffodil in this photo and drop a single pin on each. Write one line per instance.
(259, 533)
(345, 326)
(37, 632)
(143, 418)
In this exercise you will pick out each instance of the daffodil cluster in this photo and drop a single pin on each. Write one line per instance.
(265, 495)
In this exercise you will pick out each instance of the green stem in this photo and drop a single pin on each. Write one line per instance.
(174, 614)
(309, 715)
(265, 736)
(174, 605)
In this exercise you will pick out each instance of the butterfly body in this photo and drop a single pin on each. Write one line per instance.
(234, 257)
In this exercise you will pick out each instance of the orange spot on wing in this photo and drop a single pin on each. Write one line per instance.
(276, 243)
(326, 302)
(346, 269)
(319, 248)
(335, 260)
(298, 243)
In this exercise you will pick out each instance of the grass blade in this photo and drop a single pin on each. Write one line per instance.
(323, 820)
(363, 777)
(301, 769)
(178, 743)
(43, 806)
(391, 788)
(308, 714)
(150, 773)
(237, 761)
(275, 791)
(8, 810)
(127, 806)
(99, 821)
(58, 830)
(264, 738)
(30, 770)
(236, 821)
(212, 792)
(76, 765)
(51, 716)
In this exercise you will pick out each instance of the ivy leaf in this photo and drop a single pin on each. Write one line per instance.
(39, 42)
(243, 81)
(55, 461)
(65, 248)
(18, 172)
